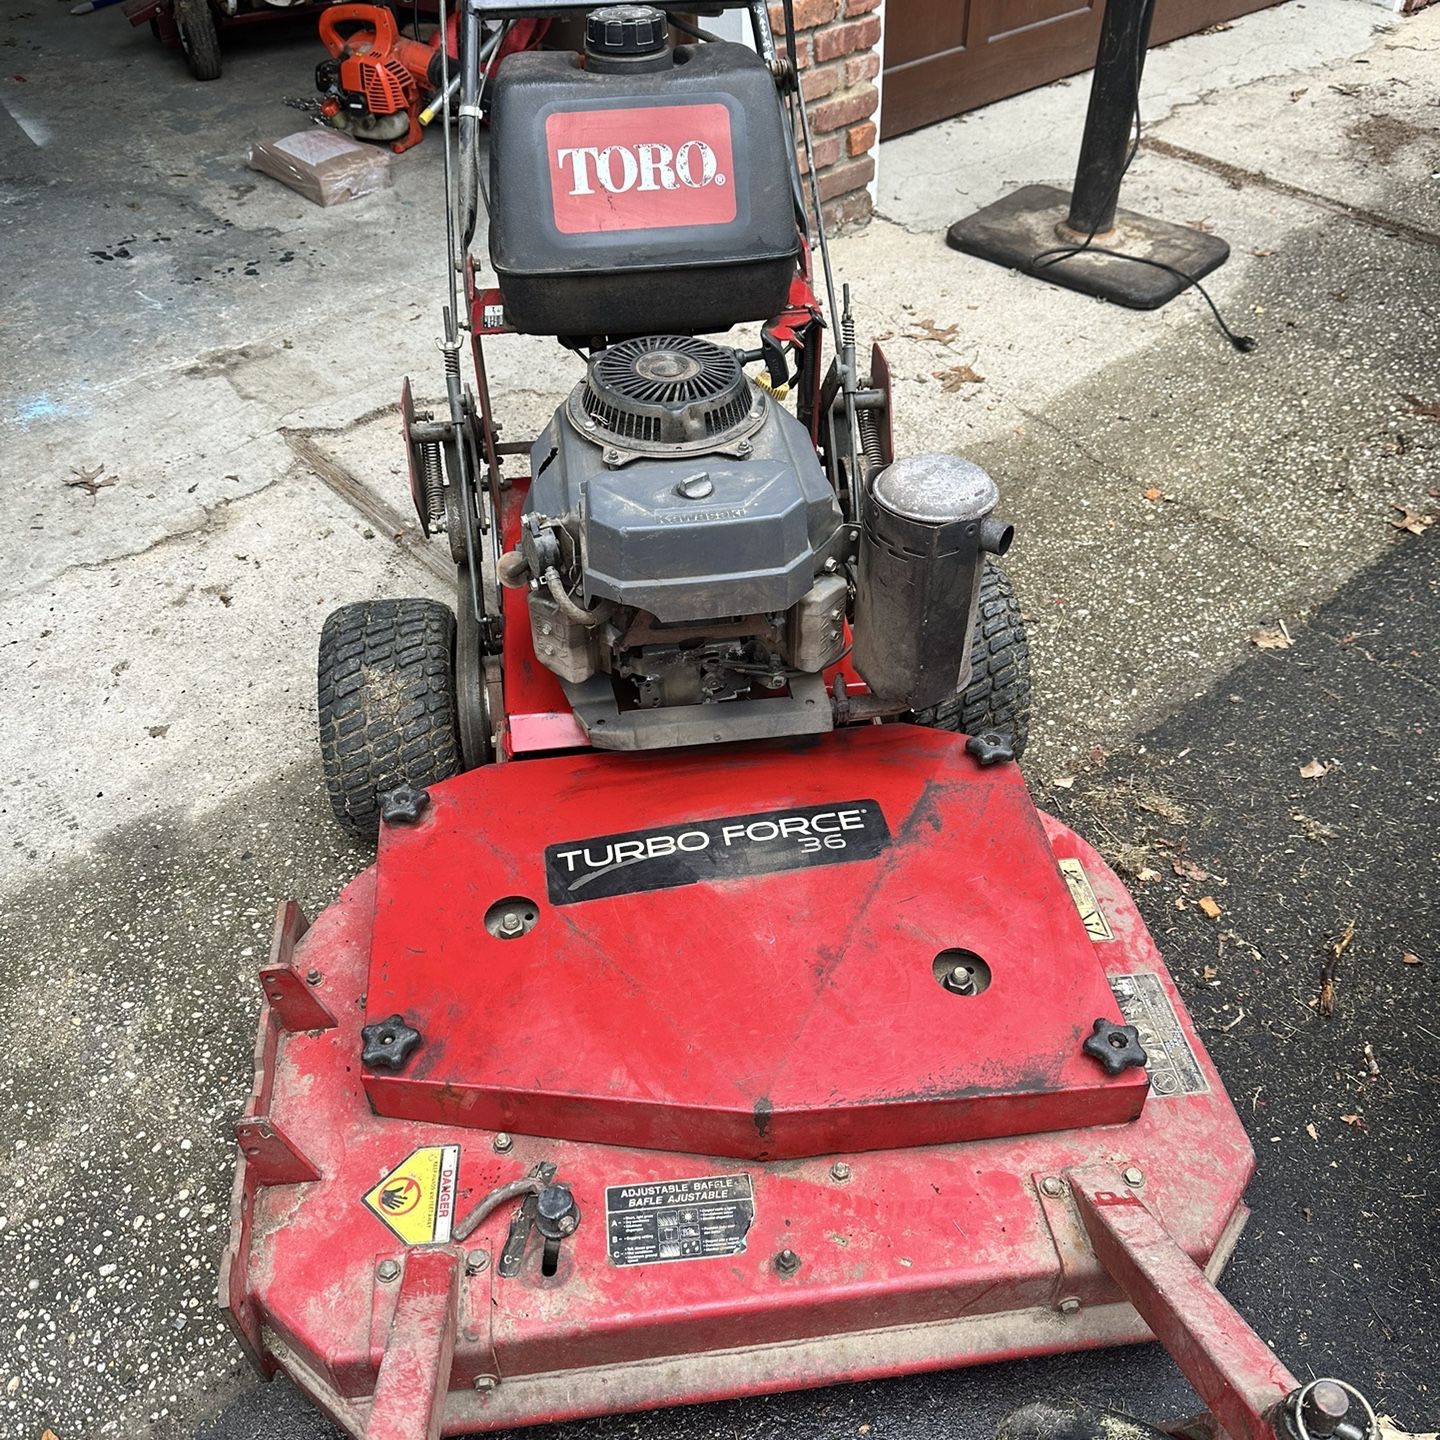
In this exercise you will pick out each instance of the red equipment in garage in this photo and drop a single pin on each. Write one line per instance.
(719, 1015)
(378, 84)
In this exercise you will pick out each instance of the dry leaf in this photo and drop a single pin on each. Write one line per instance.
(89, 480)
(1312, 1132)
(1064, 782)
(1314, 770)
(1164, 807)
(1427, 409)
(49, 1435)
(1339, 946)
(958, 378)
(1189, 869)
(1326, 1000)
(1154, 493)
(1263, 639)
(1311, 828)
(1357, 1121)
(1208, 905)
(1211, 974)
(1408, 959)
(1147, 874)
(1411, 521)
(929, 330)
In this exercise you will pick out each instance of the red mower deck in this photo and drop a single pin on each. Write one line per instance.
(797, 1157)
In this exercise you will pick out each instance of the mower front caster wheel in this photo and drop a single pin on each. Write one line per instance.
(387, 704)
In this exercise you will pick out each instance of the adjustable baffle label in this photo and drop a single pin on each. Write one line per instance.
(1173, 1066)
(669, 856)
(678, 1219)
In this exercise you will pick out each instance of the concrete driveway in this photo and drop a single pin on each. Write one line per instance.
(200, 459)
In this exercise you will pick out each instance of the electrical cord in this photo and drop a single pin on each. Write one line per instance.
(1045, 258)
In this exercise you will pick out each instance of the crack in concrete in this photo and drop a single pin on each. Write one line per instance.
(206, 519)
(1238, 176)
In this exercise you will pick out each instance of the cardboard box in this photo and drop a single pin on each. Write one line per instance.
(322, 165)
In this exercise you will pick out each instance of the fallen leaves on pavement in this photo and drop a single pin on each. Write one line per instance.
(1410, 521)
(1208, 904)
(1265, 639)
(89, 480)
(1408, 959)
(957, 378)
(1313, 770)
(1337, 948)
(1426, 409)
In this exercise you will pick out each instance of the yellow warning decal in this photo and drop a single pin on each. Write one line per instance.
(1092, 917)
(417, 1198)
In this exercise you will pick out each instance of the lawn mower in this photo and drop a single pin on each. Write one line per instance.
(719, 1016)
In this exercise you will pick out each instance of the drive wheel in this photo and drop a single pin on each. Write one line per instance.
(199, 38)
(387, 704)
(998, 695)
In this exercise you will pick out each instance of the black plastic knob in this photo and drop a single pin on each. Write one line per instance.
(388, 1044)
(1117, 1047)
(402, 806)
(626, 30)
(990, 747)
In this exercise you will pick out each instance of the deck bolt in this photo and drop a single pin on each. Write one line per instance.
(787, 1262)
(484, 1383)
(961, 981)
(388, 1270)
(1134, 1175)
(477, 1262)
(511, 923)
(1069, 1305)
(503, 1142)
(313, 977)
(840, 1171)
(1052, 1186)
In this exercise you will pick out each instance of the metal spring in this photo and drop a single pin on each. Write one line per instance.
(433, 482)
(868, 423)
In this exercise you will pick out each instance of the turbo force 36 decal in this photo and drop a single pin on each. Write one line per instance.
(647, 168)
(690, 853)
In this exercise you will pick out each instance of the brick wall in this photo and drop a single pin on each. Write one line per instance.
(837, 43)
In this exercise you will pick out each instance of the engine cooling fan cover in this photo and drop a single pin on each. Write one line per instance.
(663, 393)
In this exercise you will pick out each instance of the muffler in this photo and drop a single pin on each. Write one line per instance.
(927, 525)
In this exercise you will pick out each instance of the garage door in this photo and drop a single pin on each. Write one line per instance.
(943, 57)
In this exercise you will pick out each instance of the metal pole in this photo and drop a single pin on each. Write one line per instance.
(1119, 63)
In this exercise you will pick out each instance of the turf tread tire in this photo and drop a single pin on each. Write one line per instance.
(998, 694)
(386, 690)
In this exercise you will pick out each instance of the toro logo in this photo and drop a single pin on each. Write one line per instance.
(646, 168)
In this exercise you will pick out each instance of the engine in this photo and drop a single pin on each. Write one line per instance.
(680, 534)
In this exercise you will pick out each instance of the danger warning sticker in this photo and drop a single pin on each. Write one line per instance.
(678, 1219)
(1091, 915)
(417, 1198)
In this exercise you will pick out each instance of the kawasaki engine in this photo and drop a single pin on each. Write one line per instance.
(681, 535)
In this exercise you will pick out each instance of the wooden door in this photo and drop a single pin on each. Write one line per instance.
(943, 57)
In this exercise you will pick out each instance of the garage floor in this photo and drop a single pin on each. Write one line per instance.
(217, 361)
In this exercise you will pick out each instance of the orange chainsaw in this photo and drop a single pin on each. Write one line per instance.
(383, 86)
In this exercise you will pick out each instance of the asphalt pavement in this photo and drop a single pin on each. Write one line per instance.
(1339, 1090)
